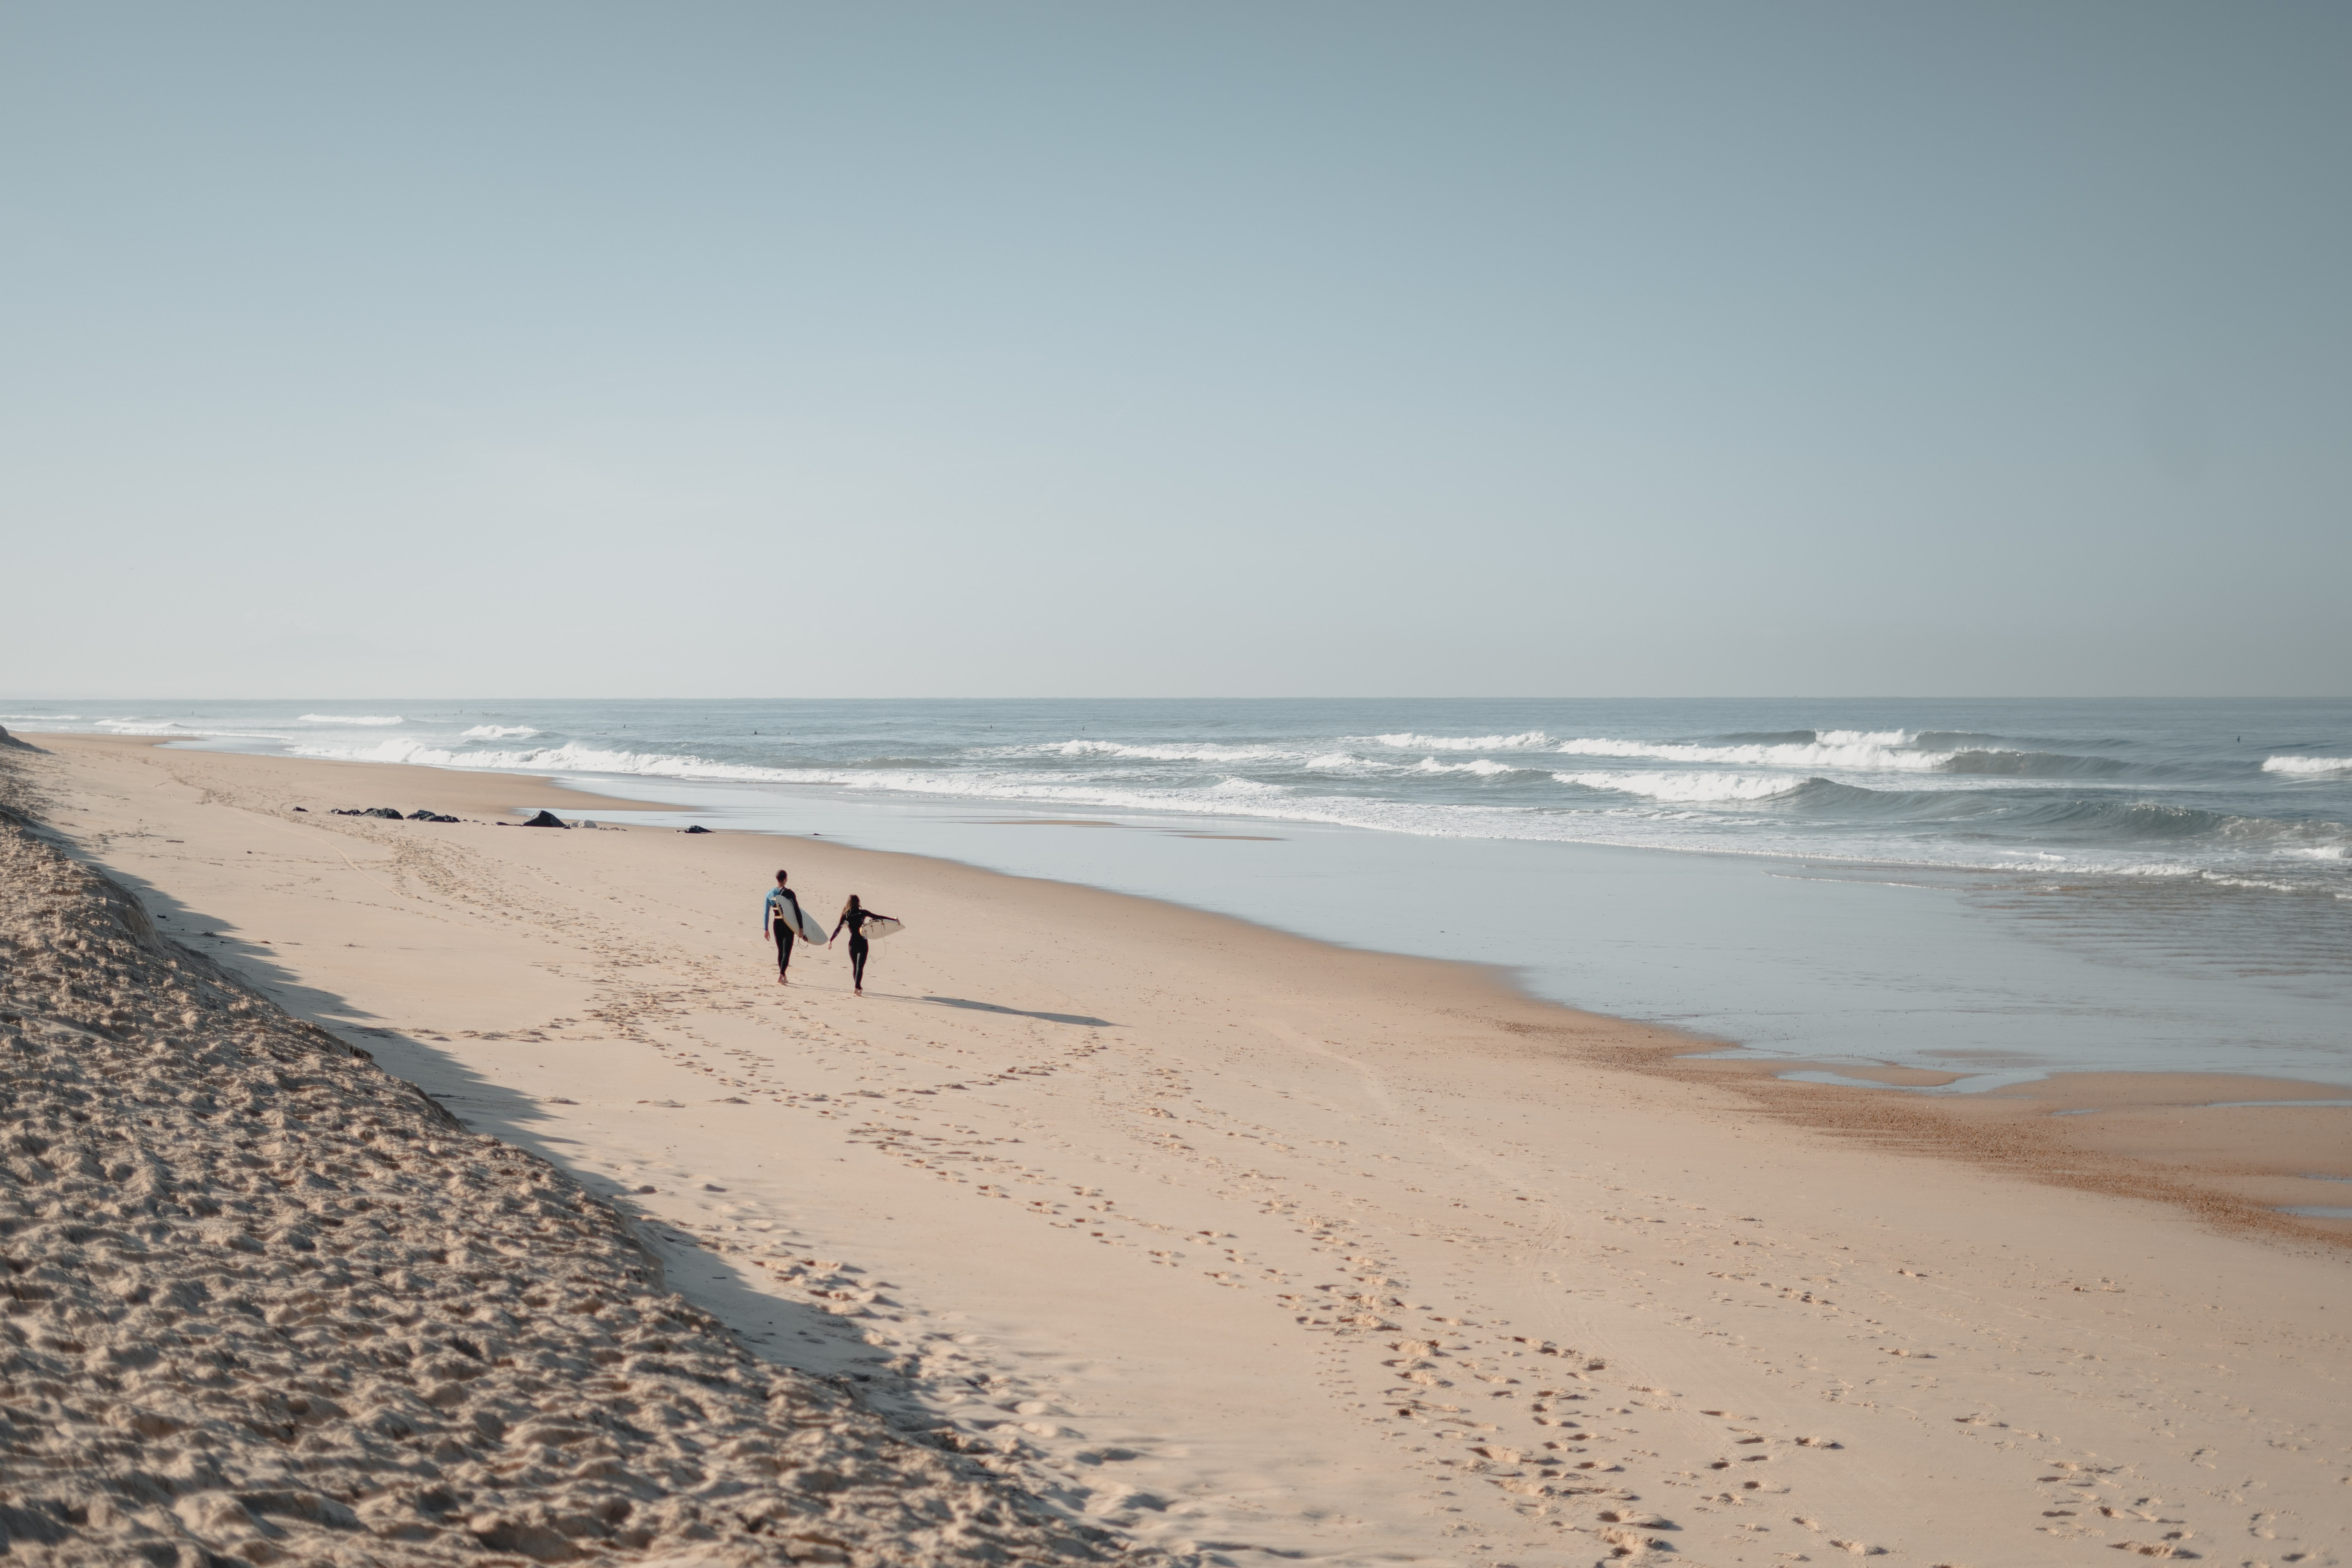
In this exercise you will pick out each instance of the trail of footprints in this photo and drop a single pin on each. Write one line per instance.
(1494, 1421)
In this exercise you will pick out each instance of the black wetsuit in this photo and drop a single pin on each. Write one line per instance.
(859, 946)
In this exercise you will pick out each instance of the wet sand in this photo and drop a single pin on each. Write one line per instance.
(2240, 1152)
(1232, 1242)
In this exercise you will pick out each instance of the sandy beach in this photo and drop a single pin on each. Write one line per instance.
(1162, 1232)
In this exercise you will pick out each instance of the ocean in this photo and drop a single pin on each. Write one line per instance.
(1997, 888)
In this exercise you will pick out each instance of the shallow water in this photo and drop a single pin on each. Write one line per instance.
(1995, 888)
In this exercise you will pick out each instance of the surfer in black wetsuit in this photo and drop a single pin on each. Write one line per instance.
(855, 915)
(781, 914)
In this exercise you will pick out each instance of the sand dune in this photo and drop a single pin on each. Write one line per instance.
(1235, 1245)
(266, 1303)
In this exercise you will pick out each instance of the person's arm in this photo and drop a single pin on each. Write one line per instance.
(837, 929)
(767, 913)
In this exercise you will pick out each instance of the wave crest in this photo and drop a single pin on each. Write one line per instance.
(1167, 752)
(1857, 751)
(568, 758)
(1690, 787)
(1526, 741)
(352, 718)
(2035, 764)
(2308, 764)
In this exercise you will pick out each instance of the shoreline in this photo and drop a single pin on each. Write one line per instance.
(1237, 1242)
(1809, 961)
(2127, 1133)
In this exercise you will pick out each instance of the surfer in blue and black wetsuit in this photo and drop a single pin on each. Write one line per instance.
(781, 914)
(855, 915)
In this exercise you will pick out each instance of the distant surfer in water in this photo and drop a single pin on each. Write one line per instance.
(782, 915)
(855, 915)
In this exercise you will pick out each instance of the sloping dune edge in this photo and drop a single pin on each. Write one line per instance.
(266, 1302)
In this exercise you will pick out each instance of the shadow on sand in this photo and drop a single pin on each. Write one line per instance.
(1020, 1013)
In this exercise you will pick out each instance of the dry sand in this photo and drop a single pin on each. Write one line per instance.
(1234, 1244)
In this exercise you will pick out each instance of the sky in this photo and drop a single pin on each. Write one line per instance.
(1298, 348)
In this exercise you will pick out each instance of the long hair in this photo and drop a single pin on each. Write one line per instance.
(849, 906)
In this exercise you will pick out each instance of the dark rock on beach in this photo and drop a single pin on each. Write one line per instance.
(547, 819)
(698, 827)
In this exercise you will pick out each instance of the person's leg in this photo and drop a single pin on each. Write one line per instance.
(857, 949)
(783, 949)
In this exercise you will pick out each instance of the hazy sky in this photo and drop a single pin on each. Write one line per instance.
(1120, 348)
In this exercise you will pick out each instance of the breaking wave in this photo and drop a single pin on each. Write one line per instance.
(352, 718)
(1527, 741)
(1854, 750)
(1690, 786)
(2036, 765)
(499, 732)
(1172, 751)
(568, 758)
(2308, 764)
(1482, 768)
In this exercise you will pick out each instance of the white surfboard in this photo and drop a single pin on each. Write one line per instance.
(810, 927)
(879, 926)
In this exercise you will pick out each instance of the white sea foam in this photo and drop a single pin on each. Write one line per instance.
(352, 718)
(1527, 741)
(1170, 751)
(1852, 750)
(499, 732)
(1690, 786)
(147, 727)
(2308, 764)
(60, 718)
(169, 730)
(571, 758)
(2260, 884)
(1482, 768)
